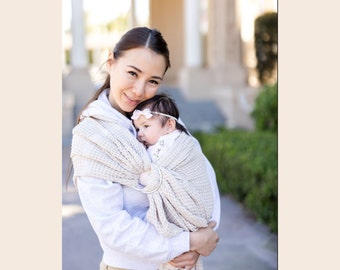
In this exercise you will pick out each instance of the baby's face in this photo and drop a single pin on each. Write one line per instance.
(149, 130)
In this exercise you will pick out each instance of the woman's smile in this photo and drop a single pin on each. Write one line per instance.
(133, 101)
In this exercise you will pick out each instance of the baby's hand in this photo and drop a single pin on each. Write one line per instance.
(144, 178)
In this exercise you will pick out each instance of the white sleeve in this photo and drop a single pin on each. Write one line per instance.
(216, 216)
(117, 229)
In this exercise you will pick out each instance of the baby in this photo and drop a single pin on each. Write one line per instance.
(157, 124)
(159, 128)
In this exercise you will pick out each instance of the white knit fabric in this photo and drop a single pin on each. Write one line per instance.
(179, 193)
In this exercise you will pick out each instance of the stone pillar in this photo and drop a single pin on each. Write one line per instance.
(78, 51)
(167, 16)
(225, 60)
(224, 63)
(193, 78)
(133, 20)
(224, 42)
(68, 120)
(192, 34)
(77, 85)
(79, 80)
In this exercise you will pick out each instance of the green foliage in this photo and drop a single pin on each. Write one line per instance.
(68, 56)
(246, 167)
(265, 112)
(120, 24)
(266, 46)
(90, 56)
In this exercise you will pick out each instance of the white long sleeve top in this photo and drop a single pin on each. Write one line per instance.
(118, 213)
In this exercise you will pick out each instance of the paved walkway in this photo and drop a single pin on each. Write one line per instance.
(244, 243)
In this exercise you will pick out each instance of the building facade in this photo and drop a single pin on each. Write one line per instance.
(211, 49)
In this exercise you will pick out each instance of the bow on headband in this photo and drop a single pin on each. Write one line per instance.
(148, 114)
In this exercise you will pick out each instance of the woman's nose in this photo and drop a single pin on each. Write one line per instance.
(139, 88)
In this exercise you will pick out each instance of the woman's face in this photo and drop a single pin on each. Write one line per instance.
(135, 77)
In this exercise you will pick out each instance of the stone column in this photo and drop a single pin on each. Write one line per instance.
(167, 16)
(133, 20)
(77, 85)
(231, 91)
(78, 51)
(193, 78)
(192, 34)
(224, 42)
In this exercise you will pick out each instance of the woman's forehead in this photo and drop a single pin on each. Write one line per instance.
(145, 60)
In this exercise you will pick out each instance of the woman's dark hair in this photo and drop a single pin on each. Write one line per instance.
(143, 37)
(135, 38)
(163, 104)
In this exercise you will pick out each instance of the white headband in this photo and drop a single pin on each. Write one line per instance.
(148, 114)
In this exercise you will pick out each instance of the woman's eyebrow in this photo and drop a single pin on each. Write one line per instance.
(155, 77)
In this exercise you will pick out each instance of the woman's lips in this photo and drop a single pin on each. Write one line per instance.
(133, 102)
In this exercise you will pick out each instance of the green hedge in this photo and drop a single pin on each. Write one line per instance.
(265, 112)
(246, 163)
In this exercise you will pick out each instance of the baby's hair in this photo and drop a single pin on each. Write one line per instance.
(163, 104)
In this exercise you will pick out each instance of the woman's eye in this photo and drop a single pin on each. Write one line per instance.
(154, 82)
(132, 73)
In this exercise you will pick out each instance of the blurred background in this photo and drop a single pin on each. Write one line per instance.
(211, 42)
(223, 77)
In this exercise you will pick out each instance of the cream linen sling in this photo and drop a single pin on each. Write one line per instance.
(179, 191)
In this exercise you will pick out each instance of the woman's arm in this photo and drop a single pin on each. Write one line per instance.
(118, 230)
(216, 215)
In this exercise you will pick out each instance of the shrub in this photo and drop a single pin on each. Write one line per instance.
(266, 46)
(245, 164)
(265, 112)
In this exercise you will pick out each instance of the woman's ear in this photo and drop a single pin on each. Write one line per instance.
(109, 61)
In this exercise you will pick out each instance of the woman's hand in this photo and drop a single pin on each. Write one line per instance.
(186, 261)
(204, 240)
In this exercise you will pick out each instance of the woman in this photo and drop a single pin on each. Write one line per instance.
(117, 212)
